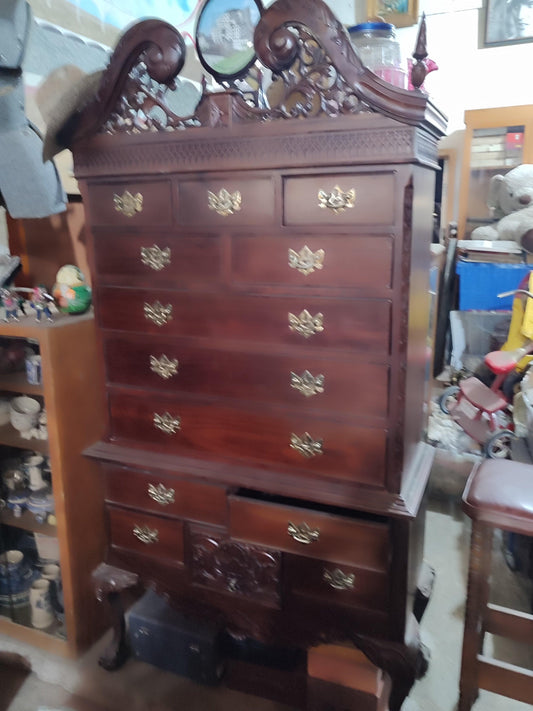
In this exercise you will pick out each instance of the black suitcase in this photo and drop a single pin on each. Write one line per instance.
(161, 636)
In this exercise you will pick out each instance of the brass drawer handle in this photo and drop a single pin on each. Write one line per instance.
(225, 203)
(163, 366)
(305, 324)
(157, 313)
(306, 261)
(161, 495)
(166, 423)
(303, 533)
(337, 200)
(307, 384)
(339, 580)
(128, 204)
(306, 445)
(145, 534)
(155, 257)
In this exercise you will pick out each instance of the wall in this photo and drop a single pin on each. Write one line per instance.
(469, 77)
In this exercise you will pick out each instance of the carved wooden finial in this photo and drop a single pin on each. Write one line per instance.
(419, 70)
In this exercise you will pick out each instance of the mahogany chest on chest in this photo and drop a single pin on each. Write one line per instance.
(261, 288)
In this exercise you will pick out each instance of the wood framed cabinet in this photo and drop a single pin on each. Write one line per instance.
(496, 140)
(73, 536)
(261, 284)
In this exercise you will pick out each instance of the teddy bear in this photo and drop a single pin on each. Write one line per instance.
(511, 201)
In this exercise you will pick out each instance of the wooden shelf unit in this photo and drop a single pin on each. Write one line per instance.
(71, 391)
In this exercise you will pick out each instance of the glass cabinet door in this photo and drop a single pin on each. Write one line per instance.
(496, 140)
(493, 151)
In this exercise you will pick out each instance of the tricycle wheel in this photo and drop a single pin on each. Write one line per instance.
(448, 398)
(498, 445)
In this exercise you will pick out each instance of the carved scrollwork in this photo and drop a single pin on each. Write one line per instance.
(233, 566)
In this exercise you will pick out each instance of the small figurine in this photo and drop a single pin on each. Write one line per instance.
(10, 303)
(71, 291)
(40, 301)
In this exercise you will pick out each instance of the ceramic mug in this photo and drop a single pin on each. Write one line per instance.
(42, 614)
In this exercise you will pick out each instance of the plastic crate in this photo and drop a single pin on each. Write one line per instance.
(481, 282)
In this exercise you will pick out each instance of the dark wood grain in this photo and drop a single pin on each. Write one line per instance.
(234, 287)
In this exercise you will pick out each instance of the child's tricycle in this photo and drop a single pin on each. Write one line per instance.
(483, 411)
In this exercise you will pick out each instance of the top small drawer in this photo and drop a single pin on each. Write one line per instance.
(227, 203)
(350, 198)
(132, 203)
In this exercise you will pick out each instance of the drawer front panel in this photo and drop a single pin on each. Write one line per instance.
(333, 261)
(156, 260)
(244, 202)
(143, 533)
(337, 583)
(304, 197)
(165, 495)
(362, 324)
(341, 385)
(234, 567)
(310, 533)
(327, 447)
(131, 204)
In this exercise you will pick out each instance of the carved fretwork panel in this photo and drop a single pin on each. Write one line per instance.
(306, 68)
(235, 567)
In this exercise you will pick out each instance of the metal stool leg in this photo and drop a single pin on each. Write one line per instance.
(477, 595)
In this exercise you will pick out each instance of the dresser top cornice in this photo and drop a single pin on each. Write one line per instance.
(327, 99)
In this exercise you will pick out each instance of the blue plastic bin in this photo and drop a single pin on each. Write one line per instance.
(481, 282)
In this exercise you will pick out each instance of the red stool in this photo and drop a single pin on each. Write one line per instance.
(498, 494)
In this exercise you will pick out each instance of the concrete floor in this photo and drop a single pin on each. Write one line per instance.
(83, 686)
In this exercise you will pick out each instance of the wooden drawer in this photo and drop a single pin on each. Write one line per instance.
(256, 205)
(234, 567)
(335, 261)
(337, 583)
(143, 533)
(263, 436)
(302, 205)
(110, 203)
(362, 324)
(342, 385)
(165, 495)
(328, 537)
(157, 260)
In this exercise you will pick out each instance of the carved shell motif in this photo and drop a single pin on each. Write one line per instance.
(236, 567)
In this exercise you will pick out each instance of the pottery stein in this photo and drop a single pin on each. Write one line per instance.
(33, 466)
(52, 573)
(42, 614)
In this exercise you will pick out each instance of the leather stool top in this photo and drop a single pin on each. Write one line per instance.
(500, 493)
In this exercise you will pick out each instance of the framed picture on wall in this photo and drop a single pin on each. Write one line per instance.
(401, 13)
(508, 22)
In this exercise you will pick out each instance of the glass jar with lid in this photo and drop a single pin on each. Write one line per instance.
(379, 50)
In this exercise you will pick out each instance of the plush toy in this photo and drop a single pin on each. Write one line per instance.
(511, 200)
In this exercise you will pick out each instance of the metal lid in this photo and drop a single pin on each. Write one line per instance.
(372, 26)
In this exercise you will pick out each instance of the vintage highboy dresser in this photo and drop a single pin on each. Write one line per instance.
(260, 283)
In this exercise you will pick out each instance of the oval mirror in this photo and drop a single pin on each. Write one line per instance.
(225, 36)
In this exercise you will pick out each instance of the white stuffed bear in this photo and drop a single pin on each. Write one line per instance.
(511, 199)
